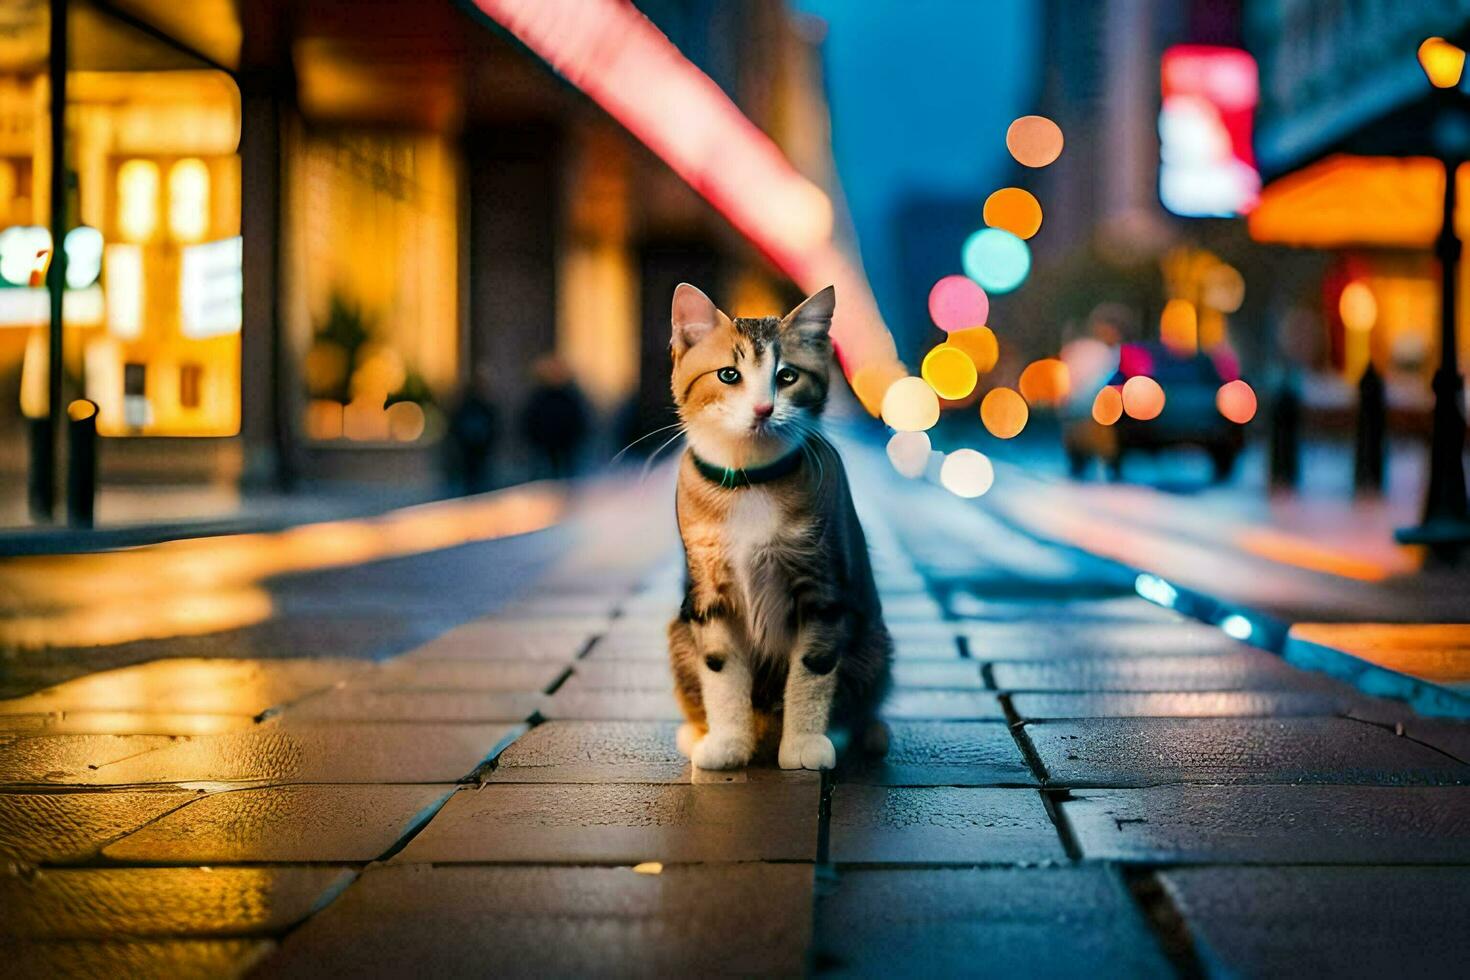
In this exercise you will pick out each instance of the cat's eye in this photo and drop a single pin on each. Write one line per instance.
(786, 377)
(728, 375)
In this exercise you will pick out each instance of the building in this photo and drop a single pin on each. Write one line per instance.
(1347, 145)
(295, 230)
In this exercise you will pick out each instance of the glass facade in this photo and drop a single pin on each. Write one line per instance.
(153, 287)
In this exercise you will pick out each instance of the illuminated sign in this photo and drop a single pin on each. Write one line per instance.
(1207, 168)
(211, 288)
(23, 249)
(620, 60)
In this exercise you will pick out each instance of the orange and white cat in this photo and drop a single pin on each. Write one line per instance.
(780, 634)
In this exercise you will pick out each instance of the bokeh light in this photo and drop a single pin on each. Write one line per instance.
(1443, 62)
(956, 303)
(980, 344)
(949, 371)
(1034, 141)
(1179, 326)
(1224, 288)
(1089, 361)
(910, 405)
(1014, 210)
(1046, 382)
(909, 453)
(966, 473)
(1004, 413)
(996, 259)
(1133, 359)
(1143, 398)
(405, 421)
(1107, 407)
(1236, 401)
(870, 383)
(1357, 306)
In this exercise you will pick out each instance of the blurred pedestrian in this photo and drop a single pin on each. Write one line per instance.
(469, 443)
(555, 419)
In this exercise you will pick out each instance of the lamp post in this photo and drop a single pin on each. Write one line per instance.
(1445, 527)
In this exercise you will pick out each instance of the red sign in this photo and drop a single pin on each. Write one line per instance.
(1208, 102)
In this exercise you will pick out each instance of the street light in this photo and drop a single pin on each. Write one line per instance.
(1443, 62)
(1445, 527)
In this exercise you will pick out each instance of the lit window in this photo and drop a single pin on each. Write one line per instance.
(137, 199)
(124, 291)
(188, 200)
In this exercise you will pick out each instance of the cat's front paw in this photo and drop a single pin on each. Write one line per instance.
(722, 751)
(687, 738)
(808, 751)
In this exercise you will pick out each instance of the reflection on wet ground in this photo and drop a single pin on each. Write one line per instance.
(205, 584)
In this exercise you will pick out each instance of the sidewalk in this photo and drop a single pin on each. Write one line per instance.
(1317, 577)
(1080, 782)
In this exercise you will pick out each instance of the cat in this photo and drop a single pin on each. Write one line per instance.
(780, 634)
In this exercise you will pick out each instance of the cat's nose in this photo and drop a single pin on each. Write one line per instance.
(764, 410)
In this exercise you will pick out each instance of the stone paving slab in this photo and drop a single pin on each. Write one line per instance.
(623, 824)
(597, 674)
(1243, 671)
(70, 759)
(190, 685)
(283, 824)
(415, 706)
(1273, 824)
(421, 920)
(1450, 737)
(1041, 640)
(1177, 704)
(594, 605)
(315, 752)
(1151, 751)
(652, 649)
(938, 649)
(919, 704)
(926, 632)
(611, 704)
(491, 640)
(1128, 608)
(1335, 922)
(122, 723)
(954, 674)
(113, 903)
(1020, 922)
(57, 828)
(928, 667)
(593, 752)
(946, 753)
(462, 675)
(940, 825)
(177, 959)
(913, 607)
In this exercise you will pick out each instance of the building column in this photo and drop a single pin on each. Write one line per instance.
(266, 426)
(514, 220)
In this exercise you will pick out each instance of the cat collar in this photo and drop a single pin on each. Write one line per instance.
(732, 479)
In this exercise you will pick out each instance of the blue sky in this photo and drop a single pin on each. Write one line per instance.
(921, 93)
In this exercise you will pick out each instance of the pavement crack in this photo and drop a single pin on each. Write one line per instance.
(1165, 921)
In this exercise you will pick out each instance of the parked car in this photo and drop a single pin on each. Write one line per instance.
(1189, 418)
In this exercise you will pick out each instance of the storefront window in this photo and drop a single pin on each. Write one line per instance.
(374, 281)
(152, 302)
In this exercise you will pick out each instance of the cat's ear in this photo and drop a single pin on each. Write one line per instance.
(694, 316)
(812, 318)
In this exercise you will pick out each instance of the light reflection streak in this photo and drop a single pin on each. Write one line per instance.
(205, 585)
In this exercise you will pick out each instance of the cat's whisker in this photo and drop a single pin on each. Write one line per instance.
(648, 464)
(647, 435)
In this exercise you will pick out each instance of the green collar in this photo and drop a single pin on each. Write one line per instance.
(749, 476)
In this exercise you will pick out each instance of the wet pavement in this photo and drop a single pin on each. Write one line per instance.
(459, 760)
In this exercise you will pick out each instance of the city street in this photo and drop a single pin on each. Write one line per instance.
(441, 742)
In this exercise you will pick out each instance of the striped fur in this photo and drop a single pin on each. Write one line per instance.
(780, 633)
